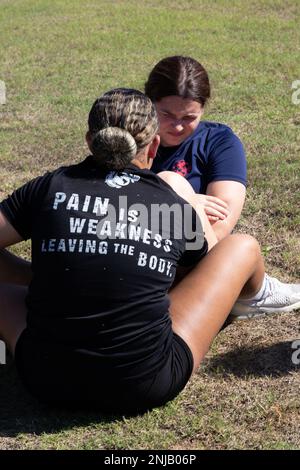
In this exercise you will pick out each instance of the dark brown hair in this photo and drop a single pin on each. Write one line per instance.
(178, 76)
(121, 123)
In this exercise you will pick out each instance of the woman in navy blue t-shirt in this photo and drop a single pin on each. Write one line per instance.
(209, 155)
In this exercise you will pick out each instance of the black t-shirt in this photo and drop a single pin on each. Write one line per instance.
(104, 255)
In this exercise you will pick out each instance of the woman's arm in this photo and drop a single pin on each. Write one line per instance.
(227, 173)
(13, 270)
(233, 194)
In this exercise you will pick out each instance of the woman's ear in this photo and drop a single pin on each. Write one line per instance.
(153, 147)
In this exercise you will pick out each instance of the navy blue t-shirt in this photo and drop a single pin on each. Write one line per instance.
(212, 153)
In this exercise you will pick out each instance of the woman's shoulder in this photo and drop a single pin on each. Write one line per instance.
(79, 169)
(213, 128)
(213, 134)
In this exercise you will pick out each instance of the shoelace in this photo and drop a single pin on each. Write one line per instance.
(270, 287)
(275, 291)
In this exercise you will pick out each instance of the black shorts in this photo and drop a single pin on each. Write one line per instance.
(53, 375)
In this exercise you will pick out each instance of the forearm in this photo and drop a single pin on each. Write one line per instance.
(233, 195)
(13, 269)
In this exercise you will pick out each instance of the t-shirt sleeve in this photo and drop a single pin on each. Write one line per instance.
(20, 208)
(227, 158)
(195, 242)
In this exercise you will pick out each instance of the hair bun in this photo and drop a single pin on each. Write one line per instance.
(113, 147)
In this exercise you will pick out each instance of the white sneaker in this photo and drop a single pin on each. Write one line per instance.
(278, 297)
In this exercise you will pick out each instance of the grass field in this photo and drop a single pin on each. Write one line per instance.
(56, 58)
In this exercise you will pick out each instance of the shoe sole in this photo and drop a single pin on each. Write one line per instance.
(243, 315)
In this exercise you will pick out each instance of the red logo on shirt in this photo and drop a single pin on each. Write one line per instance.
(182, 167)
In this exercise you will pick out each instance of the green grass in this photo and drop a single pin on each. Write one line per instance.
(56, 58)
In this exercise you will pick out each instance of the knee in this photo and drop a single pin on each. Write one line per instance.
(248, 244)
(179, 184)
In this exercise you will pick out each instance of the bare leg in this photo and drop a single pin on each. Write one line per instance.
(13, 269)
(12, 313)
(201, 302)
(183, 188)
(15, 275)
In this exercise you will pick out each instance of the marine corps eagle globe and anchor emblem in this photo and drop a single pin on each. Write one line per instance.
(116, 179)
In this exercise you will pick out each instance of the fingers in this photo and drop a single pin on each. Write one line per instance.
(217, 201)
(212, 218)
(212, 209)
(215, 208)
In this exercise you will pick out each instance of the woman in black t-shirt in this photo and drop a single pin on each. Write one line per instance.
(100, 319)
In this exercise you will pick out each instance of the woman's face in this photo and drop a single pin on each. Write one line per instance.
(178, 118)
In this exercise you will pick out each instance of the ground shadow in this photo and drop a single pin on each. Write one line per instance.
(268, 361)
(22, 413)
